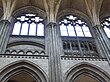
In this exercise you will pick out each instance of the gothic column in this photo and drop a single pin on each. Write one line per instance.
(8, 7)
(103, 40)
(4, 34)
(54, 50)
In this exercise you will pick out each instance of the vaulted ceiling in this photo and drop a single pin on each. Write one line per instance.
(88, 7)
(75, 4)
(105, 7)
(36, 3)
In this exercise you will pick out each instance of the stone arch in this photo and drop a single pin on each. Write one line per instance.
(30, 9)
(29, 52)
(33, 43)
(74, 12)
(42, 53)
(87, 68)
(14, 52)
(27, 10)
(21, 52)
(1, 13)
(36, 52)
(78, 14)
(104, 16)
(7, 51)
(23, 66)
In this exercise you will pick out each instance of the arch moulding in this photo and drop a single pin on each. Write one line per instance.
(30, 10)
(73, 12)
(23, 66)
(86, 68)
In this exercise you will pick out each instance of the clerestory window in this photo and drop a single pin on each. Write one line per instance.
(73, 26)
(29, 24)
(106, 24)
(77, 38)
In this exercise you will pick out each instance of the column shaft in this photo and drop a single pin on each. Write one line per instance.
(54, 50)
(103, 41)
(4, 34)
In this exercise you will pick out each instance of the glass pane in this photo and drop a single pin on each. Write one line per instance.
(37, 19)
(107, 30)
(72, 17)
(71, 30)
(16, 29)
(30, 15)
(65, 21)
(85, 28)
(109, 18)
(80, 34)
(24, 29)
(79, 31)
(108, 34)
(86, 31)
(106, 23)
(40, 29)
(79, 21)
(87, 34)
(32, 30)
(63, 30)
(22, 18)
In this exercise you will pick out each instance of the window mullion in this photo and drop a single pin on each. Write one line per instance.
(85, 39)
(28, 28)
(36, 27)
(67, 47)
(79, 45)
(82, 30)
(67, 29)
(21, 28)
(26, 21)
(74, 29)
(70, 43)
(88, 48)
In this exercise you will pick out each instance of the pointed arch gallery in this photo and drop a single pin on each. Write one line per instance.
(23, 67)
(87, 70)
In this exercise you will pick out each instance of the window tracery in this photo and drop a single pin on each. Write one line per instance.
(29, 24)
(73, 26)
(77, 38)
(106, 24)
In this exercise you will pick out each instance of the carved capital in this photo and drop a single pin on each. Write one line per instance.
(4, 22)
(98, 26)
(52, 24)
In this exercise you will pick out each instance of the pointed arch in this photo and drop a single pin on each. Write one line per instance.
(86, 68)
(73, 12)
(15, 43)
(31, 9)
(23, 66)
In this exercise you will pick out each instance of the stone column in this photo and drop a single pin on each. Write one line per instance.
(8, 7)
(54, 50)
(103, 41)
(4, 34)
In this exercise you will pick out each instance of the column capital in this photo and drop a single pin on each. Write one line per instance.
(6, 21)
(98, 26)
(51, 24)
